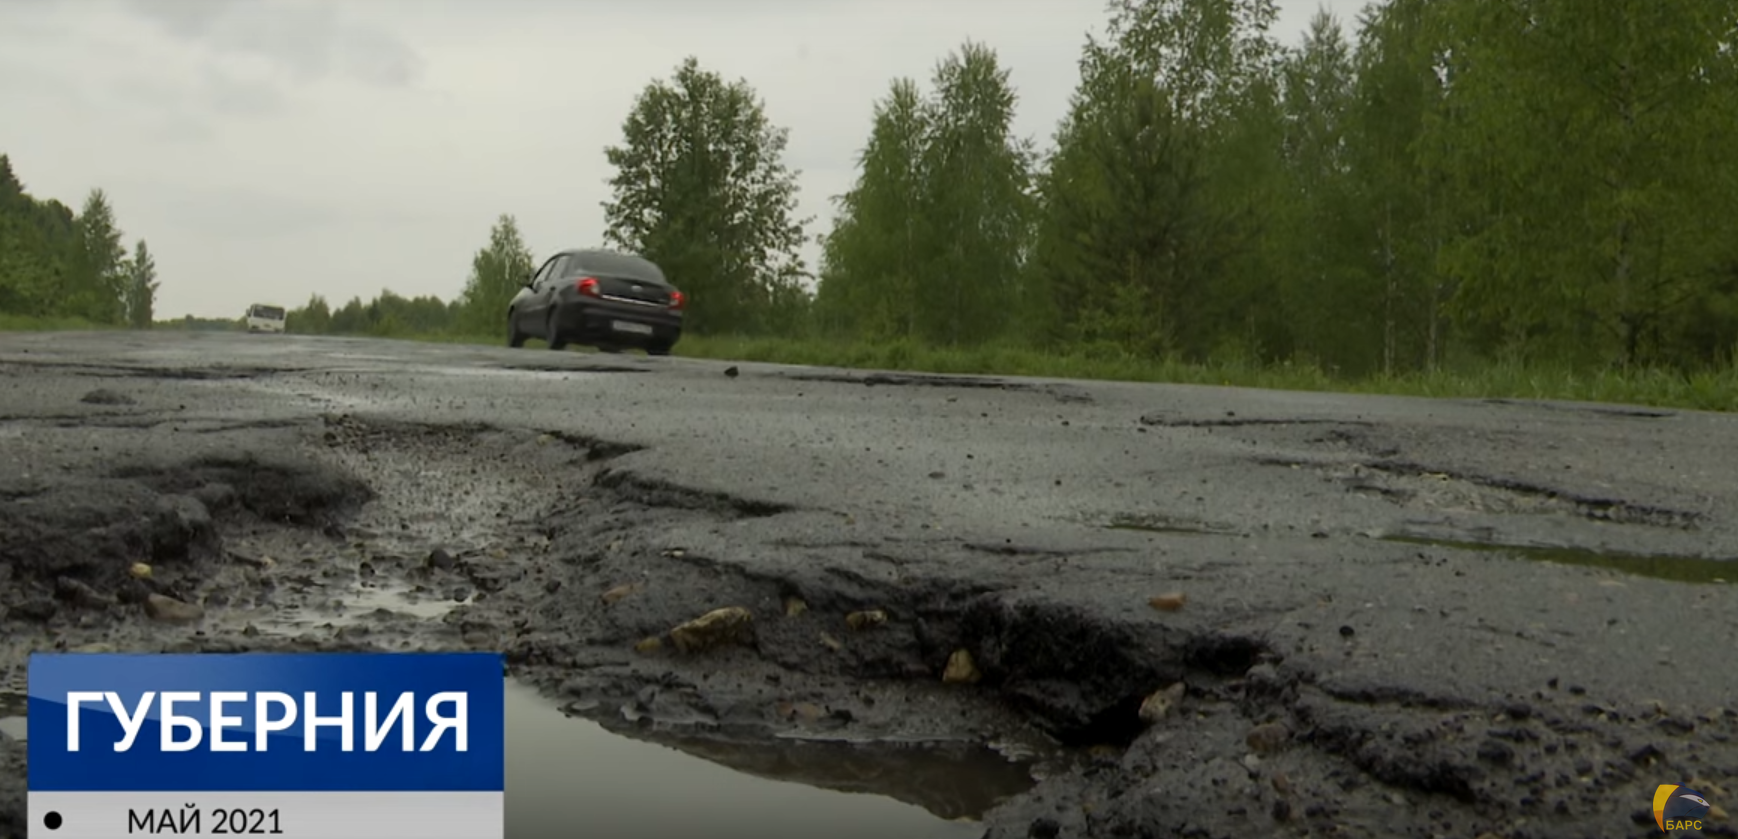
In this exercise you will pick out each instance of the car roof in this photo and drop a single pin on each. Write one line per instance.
(617, 262)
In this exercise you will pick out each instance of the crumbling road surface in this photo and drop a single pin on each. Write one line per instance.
(1201, 612)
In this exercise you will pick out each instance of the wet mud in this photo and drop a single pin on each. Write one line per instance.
(1267, 616)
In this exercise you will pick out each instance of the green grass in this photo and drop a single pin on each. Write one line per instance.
(1711, 390)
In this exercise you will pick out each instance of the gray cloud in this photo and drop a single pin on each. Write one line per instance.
(309, 40)
(240, 212)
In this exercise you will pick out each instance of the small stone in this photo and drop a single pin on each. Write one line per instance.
(1169, 602)
(140, 571)
(1161, 703)
(1347, 632)
(648, 646)
(169, 610)
(440, 559)
(961, 670)
(619, 592)
(731, 624)
(865, 619)
(1281, 783)
(1268, 737)
(831, 643)
(795, 606)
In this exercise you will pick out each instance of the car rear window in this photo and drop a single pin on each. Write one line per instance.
(268, 312)
(613, 265)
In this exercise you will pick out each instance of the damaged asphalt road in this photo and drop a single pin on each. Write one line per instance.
(1389, 617)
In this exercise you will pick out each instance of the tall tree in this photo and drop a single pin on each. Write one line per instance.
(315, 318)
(977, 205)
(1397, 112)
(97, 286)
(1152, 197)
(1591, 140)
(1325, 287)
(930, 240)
(701, 189)
(498, 271)
(872, 259)
(141, 288)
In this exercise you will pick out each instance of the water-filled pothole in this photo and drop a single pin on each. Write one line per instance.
(568, 773)
(1684, 569)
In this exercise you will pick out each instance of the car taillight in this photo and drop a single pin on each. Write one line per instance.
(677, 301)
(588, 287)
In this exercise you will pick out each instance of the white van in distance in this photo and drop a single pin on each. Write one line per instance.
(263, 318)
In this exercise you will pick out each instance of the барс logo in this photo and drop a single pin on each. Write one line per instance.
(1679, 808)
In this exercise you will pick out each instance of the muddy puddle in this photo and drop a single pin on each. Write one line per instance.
(567, 773)
(1678, 568)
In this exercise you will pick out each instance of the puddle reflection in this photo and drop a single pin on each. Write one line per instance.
(571, 776)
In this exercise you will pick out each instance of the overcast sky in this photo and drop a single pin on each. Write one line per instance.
(272, 149)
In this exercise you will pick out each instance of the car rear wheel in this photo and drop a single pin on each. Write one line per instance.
(552, 332)
(515, 338)
(658, 349)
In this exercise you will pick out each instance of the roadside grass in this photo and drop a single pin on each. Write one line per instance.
(1707, 391)
(1714, 390)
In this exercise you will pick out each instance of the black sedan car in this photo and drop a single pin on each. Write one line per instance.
(598, 298)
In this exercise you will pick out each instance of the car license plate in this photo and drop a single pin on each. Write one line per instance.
(635, 328)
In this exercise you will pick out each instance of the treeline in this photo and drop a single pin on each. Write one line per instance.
(58, 264)
(1455, 182)
(386, 316)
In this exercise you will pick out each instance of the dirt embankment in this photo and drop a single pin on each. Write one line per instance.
(357, 534)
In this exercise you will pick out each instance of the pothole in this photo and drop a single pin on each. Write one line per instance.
(1664, 567)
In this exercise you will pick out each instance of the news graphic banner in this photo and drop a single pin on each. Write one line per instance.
(302, 746)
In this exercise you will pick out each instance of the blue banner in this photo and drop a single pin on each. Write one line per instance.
(321, 722)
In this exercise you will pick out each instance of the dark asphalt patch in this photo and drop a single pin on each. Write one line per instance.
(1161, 420)
(1684, 569)
(1060, 393)
(1598, 410)
(582, 367)
(116, 371)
